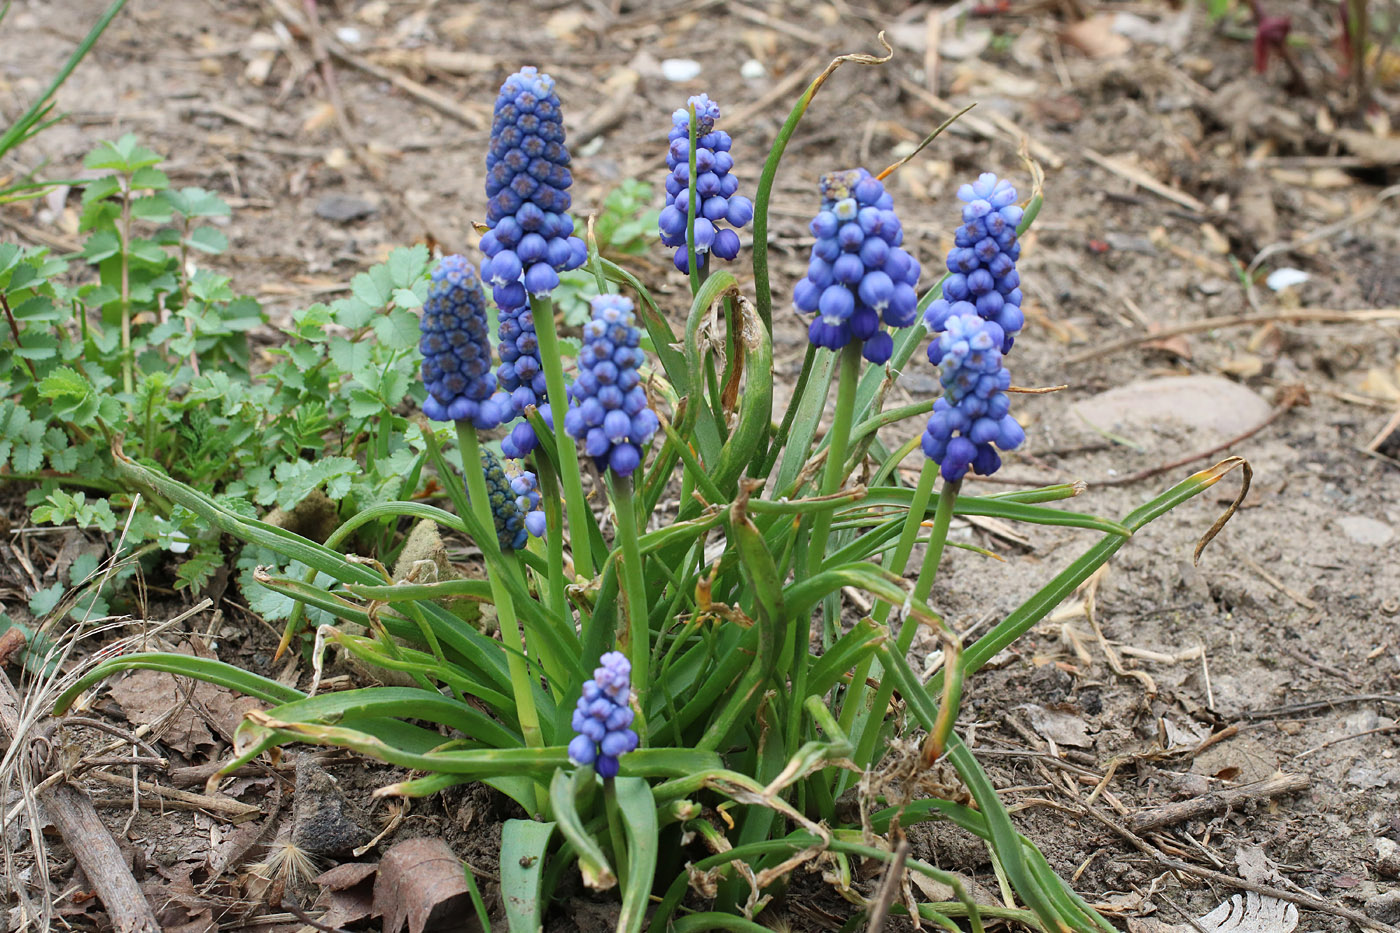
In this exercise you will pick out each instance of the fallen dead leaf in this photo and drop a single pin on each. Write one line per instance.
(1058, 726)
(421, 883)
(347, 893)
(1095, 38)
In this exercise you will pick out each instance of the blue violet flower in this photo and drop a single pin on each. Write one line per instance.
(530, 240)
(603, 718)
(982, 262)
(456, 346)
(715, 199)
(609, 410)
(858, 277)
(973, 414)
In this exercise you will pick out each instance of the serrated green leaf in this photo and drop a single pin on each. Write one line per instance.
(365, 288)
(37, 309)
(406, 298)
(208, 240)
(152, 208)
(364, 403)
(101, 245)
(407, 264)
(397, 330)
(149, 252)
(352, 313)
(349, 356)
(44, 601)
(149, 177)
(124, 155)
(197, 202)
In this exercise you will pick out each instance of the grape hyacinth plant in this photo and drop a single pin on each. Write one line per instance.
(609, 412)
(715, 197)
(515, 500)
(982, 276)
(653, 700)
(602, 719)
(456, 348)
(974, 412)
(859, 277)
(530, 240)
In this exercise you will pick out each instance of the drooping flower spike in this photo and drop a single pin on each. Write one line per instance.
(456, 347)
(609, 410)
(982, 262)
(531, 239)
(859, 277)
(602, 719)
(716, 200)
(514, 502)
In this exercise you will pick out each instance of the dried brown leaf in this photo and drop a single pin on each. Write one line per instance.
(421, 883)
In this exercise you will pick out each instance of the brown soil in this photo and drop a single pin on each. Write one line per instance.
(1287, 629)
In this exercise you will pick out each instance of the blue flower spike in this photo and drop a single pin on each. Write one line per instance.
(859, 278)
(530, 240)
(973, 414)
(515, 501)
(456, 346)
(982, 263)
(603, 717)
(716, 198)
(977, 320)
(609, 412)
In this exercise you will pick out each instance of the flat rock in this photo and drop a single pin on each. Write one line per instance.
(1370, 532)
(343, 208)
(1205, 408)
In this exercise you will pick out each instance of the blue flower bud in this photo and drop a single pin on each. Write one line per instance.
(715, 188)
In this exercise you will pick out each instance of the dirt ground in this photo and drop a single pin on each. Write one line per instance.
(1170, 166)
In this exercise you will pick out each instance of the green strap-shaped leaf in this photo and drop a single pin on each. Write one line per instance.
(524, 844)
(205, 669)
(638, 809)
(564, 790)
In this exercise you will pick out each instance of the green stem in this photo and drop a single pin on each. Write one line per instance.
(635, 638)
(696, 280)
(895, 561)
(947, 496)
(836, 450)
(776, 442)
(542, 310)
(554, 538)
(128, 361)
(480, 501)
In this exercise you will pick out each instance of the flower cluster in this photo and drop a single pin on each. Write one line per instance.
(978, 318)
(456, 348)
(603, 718)
(858, 276)
(982, 262)
(530, 240)
(515, 502)
(609, 410)
(715, 198)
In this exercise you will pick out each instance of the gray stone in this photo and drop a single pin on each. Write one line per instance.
(324, 821)
(1369, 532)
(1384, 907)
(1388, 857)
(343, 208)
(1204, 408)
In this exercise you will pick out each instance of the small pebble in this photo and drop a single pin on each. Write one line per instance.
(1285, 278)
(343, 208)
(1366, 531)
(752, 70)
(679, 70)
(1388, 857)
